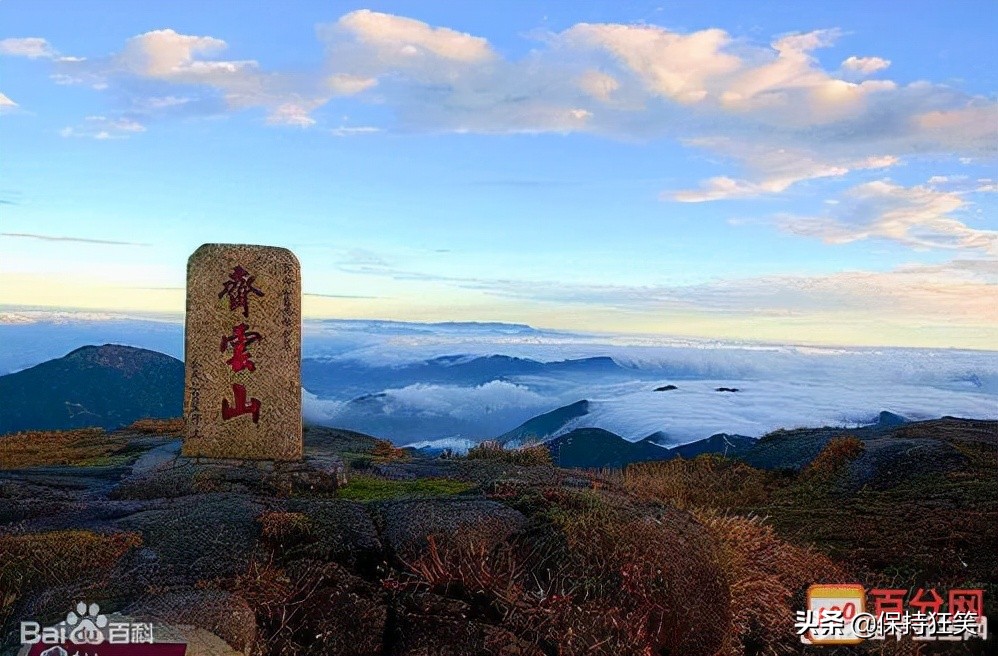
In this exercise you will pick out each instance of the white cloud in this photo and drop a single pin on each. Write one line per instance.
(172, 59)
(781, 385)
(103, 128)
(6, 104)
(865, 65)
(291, 114)
(405, 42)
(30, 47)
(162, 102)
(920, 216)
(974, 126)
(167, 54)
(772, 109)
(775, 170)
(348, 131)
(598, 84)
(343, 84)
(676, 66)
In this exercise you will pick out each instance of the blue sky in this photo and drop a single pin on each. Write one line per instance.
(781, 171)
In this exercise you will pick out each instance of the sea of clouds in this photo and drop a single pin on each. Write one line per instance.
(780, 385)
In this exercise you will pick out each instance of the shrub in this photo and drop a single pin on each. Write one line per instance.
(300, 608)
(839, 452)
(284, 528)
(594, 576)
(767, 579)
(387, 451)
(532, 455)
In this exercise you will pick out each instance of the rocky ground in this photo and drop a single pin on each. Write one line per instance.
(364, 549)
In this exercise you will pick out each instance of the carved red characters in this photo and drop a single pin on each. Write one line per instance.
(239, 287)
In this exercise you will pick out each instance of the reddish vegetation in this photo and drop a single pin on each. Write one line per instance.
(388, 451)
(701, 557)
(839, 452)
(280, 527)
(600, 576)
(766, 578)
(45, 448)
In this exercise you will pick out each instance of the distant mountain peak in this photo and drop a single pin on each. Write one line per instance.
(129, 360)
(660, 438)
(110, 385)
(546, 425)
(596, 447)
(888, 419)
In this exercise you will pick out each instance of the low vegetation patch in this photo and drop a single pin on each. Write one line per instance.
(535, 454)
(172, 427)
(372, 488)
(385, 450)
(766, 577)
(283, 528)
(34, 561)
(595, 575)
(838, 453)
(81, 447)
(707, 481)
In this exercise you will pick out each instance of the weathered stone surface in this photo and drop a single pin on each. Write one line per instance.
(243, 353)
(197, 538)
(328, 611)
(341, 531)
(225, 615)
(406, 524)
(317, 474)
(162, 456)
(430, 625)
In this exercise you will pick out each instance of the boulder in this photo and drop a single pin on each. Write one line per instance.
(406, 524)
(338, 530)
(221, 613)
(196, 538)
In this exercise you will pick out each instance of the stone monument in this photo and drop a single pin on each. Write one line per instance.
(242, 397)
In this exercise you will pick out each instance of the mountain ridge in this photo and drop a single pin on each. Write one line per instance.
(107, 386)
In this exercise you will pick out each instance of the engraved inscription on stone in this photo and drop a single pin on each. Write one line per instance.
(243, 353)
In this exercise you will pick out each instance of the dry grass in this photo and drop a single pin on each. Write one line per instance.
(839, 452)
(310, 607)
(34, 561)
(767, 577)
(536, 454)
(84, 446)
(387, 451)
(172, 427)
(707, 481)
(283, 528)
(598, 578)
